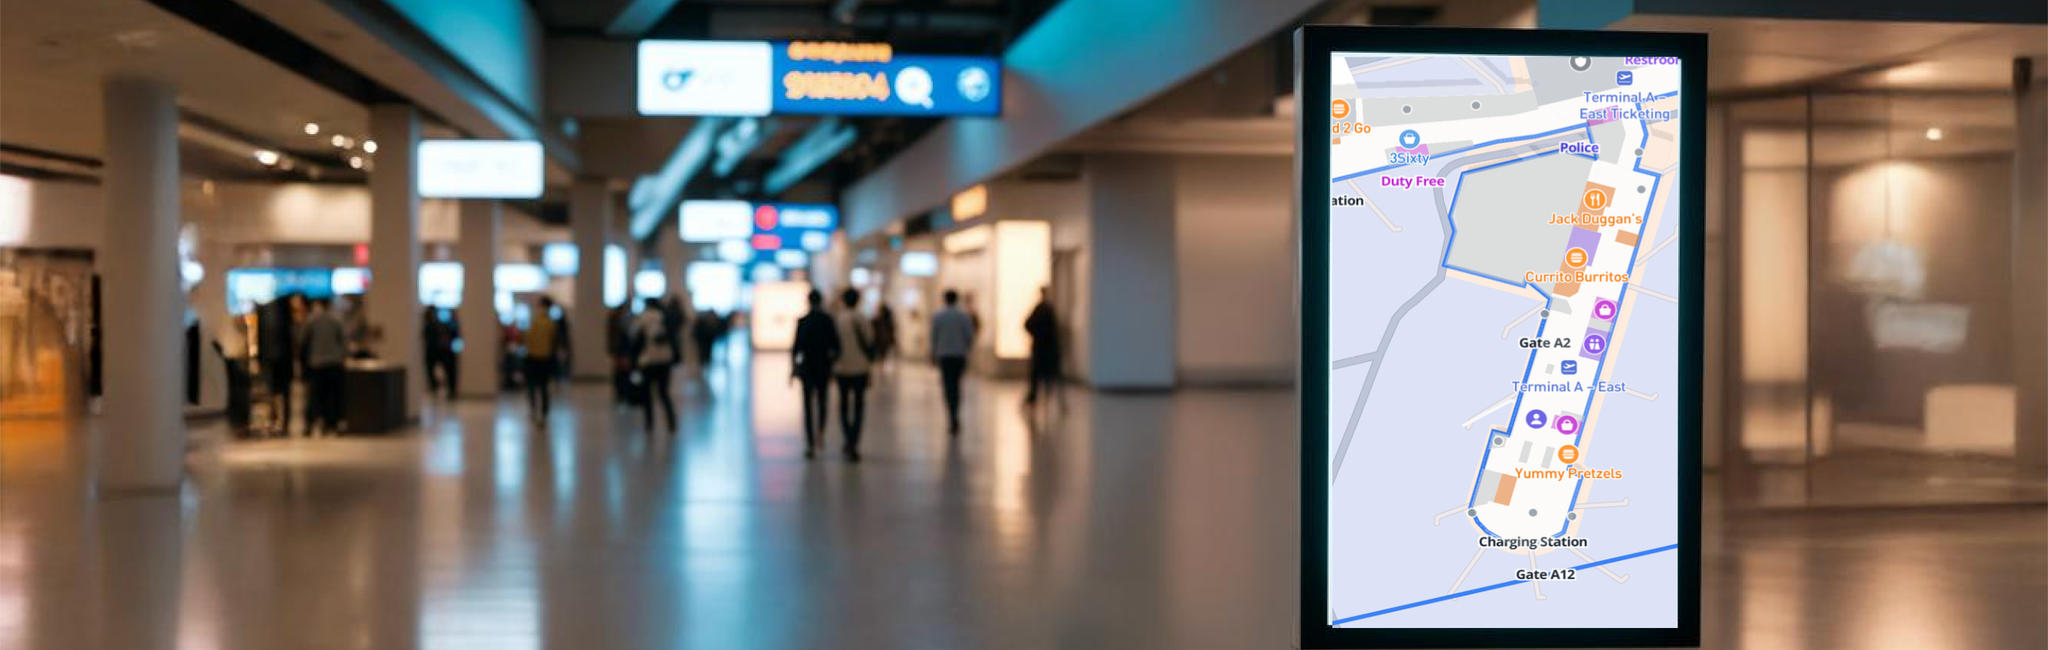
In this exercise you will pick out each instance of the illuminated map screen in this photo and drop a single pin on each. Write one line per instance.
(1504, 295)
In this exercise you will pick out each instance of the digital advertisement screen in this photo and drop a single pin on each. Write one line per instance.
(715, 220)
(481, 169)
(248, 288)
(805, 227)
(1504, 286)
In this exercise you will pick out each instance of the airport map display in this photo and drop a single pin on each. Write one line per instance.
(1504, 341)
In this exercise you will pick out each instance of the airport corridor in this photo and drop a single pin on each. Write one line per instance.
(1129, 521)
(1146, 520)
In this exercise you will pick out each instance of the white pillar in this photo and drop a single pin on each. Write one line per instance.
(394, 296)
(674, 258)
(2029, 267)
(144, 425)
(590, 218)
(623, 238)
(477, 249)
(1131, 289)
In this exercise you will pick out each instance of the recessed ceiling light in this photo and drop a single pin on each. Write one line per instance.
(266, 156)
(355, 162)
(369, 146)
(312, 128)
(339, 140)
(1934, 133)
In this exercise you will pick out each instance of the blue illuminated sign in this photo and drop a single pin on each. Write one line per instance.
(887, 85)
(753, 78)
(794, 226)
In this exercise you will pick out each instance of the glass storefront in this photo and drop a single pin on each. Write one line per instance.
(1870, 291)
(46, 308)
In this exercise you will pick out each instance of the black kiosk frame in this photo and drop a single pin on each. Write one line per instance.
(1313, 48)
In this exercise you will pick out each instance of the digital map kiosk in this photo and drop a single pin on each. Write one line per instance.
(1501, 249)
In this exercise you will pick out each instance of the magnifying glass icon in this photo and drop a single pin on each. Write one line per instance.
(914, 86)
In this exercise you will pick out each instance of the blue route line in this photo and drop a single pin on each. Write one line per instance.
(1497, 585)
(1649, 205)
(1600, 364)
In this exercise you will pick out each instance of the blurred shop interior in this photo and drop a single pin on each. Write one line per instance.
(1875, 286)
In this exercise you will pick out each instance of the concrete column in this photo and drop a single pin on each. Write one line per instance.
(144, 424)
(623, 238)
(1131, 286)
(477, 249)
(394, 296)
(2029, 265)
(590, 218)
(673, 260)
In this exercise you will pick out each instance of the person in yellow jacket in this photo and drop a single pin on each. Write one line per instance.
(547, 340)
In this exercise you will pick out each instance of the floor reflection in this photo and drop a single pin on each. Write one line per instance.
(1121, 521)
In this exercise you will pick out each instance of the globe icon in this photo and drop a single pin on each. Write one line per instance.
(974, 84)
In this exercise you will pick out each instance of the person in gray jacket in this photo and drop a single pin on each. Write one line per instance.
(324, 341)
(856, 355)
(952, 340)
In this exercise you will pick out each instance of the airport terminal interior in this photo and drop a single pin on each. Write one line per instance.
(484, 324)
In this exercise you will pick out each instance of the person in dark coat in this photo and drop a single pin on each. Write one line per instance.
(1044, 328)
(618, 343)
(815, 351)
(885, 333)
(441, 334)
(704, 331)
(277, 345)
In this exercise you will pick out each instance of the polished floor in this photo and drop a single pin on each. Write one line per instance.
(1126, 521)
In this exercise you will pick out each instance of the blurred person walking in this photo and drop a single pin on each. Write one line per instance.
(811, 358)
(704, 331)
(324, 341)
(276, 341)
(546, 340)
(885, 334)
(443, 337)
(952, 339)
(678, 322)
(1044, 328)
(857, 354)
(618, 342)
(655, 356)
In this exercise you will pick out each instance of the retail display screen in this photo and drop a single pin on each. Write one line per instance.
(1501, 264)
(481, 169)
(248, 288)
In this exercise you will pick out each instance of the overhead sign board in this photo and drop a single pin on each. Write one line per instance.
(716, 220)
(1500, 374)
(481, 169)
(754, 78)
(794, 226)
(705, 77)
